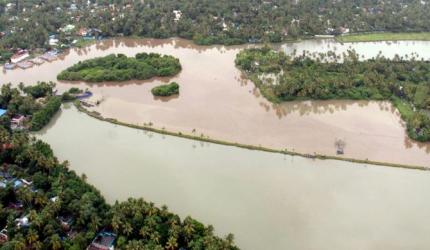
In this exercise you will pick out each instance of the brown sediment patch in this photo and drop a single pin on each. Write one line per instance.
(217, 100)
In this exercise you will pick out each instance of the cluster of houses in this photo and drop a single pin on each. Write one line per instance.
(7, 179)
(23, 221)
(21, 59)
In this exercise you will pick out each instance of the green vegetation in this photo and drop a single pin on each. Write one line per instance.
(39, 104)
(385, 36)
(59, 210)
(80, 43)
(207, 22)
(122, 68)
(41, 89)
(44, 115)
(324, 76)
(5, 55)
(70, 95)
(166, 89)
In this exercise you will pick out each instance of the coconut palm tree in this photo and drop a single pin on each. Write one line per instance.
(172, 243)
(32, 236)
(127, 229)
(55, 242)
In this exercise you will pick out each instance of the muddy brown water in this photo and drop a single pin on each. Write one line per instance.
(268, 201)
(216, 100)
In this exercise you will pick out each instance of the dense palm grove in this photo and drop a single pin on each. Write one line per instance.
(121, 68)
(327, 76)
(207, 22)
(46, 206)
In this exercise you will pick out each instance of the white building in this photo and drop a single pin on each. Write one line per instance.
(178, 15)
(19, 56)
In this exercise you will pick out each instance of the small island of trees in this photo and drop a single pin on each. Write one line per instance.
(329, 76)
(166, 89)
(122, 68)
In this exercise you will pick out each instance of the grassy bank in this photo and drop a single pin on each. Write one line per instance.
(81, 43)
(384, 36)
(245, 146)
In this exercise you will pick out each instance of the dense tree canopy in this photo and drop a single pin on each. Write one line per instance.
(166, 89)
(121, 68)
(328, 76)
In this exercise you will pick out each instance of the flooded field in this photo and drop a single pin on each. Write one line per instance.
(217, 101)
(269, 201)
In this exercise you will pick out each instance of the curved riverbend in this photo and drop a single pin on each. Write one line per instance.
(269, 201)
(217, 101)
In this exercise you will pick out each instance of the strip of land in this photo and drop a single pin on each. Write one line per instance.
(149, 127)
(384, 36)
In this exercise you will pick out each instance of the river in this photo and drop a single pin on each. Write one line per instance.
(217, 101)
(267, 200)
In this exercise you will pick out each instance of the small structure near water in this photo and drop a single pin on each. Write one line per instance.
(25, 64)
(37, 61)
(9, 66)
(19, 56)
(103, 241)
(91, 101)
(50, 56)
(86, 94)
(340, 146)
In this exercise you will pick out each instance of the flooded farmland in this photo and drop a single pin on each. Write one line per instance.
(217, 101)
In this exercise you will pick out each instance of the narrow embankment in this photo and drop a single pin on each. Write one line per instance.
(98, 116)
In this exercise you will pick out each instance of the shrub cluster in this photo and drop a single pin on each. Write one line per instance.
(166, 90)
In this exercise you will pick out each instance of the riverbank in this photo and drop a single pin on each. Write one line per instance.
(383, 36)
(240, 145)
